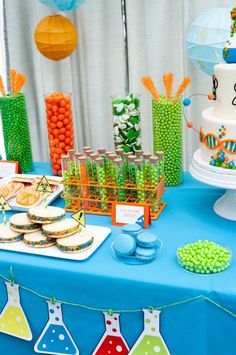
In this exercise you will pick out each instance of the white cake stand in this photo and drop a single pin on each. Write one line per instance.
(225, 206)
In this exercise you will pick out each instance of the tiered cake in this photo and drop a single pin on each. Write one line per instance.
(218, 124)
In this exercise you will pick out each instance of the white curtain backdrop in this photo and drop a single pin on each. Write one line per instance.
(156, 44)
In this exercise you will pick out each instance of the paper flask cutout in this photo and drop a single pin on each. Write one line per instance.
(112, 342)
(12, 319)
(55, 338)
(150, 341)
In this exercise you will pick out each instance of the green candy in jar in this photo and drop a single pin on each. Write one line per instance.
(154, 179)
(132, 174)
(16, 130)
(101, 175)
(65, 162)
(71, 154)
(140, 184)
(146, 167)
(121, 193)
(126, 122)
(167, 136)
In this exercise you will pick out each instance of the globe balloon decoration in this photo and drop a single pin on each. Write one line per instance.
(56, 37)
(63, 5)
(206, 38)
(229, 52)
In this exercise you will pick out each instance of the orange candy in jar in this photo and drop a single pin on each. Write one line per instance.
(60, 127)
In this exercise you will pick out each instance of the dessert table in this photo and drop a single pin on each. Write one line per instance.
(192, 328)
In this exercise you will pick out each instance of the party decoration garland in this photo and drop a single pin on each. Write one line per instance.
(63, 5)
(56, 339)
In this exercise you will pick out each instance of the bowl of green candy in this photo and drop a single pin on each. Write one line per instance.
(204, 257)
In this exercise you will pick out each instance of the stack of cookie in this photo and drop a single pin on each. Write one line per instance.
(43, 227)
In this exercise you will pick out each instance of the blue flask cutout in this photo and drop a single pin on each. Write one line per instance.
(55, 338)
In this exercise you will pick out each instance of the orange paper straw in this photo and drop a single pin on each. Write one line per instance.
(182, 87)
(168, 82)
(2, 88)
(149, 85)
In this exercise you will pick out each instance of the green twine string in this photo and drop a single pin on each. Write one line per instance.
(111, 311)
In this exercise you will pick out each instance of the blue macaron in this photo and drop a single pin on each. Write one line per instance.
(124, 245)
(145, 252)
(132, 229)
(147, 240)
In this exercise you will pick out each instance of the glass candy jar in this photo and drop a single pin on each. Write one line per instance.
(167, 136)
(16, 130)
(126, 122)
(59, 126)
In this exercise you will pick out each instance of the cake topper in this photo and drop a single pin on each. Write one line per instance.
(229, 51)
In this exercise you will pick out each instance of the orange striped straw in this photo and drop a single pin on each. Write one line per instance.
(149, 85)
(182, 87)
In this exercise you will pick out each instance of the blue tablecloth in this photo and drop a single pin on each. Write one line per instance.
(196, 328)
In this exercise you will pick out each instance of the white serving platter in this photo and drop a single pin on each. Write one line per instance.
(50, 197)
(99, 234)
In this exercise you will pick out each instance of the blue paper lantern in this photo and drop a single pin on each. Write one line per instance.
(62, 5)
(206, 38)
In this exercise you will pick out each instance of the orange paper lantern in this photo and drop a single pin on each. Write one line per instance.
(56, 37)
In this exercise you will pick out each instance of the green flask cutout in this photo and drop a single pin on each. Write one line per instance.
(150, 341)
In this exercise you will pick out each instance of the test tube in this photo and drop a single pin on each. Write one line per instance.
(161, 163)
(119, 152)
(77, 172)
(132, 173)
(88, 153)
(102, 153)
(112, 169)
(94, 156)
(120, 179)
(139, 153)
(71, 154)
(65, 160)
(107, 163)
(126, 165)
(140, 180)
(154, 178)
(86, 148)
(101, 174)
(146, 167)
(84, 180)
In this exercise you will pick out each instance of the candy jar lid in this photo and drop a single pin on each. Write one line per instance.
(119, 151)
(153, 159)
(160, 153)
(139, 152)
(138, 161)
(94, 156)
(101, 150)
(131, 158)
(118, 161)
(147, 155)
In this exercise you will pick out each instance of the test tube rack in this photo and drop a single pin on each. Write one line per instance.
(92, 203)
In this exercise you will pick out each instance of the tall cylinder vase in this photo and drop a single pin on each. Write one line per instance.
(16, 130)
(168, 135)
(58, 107)
(126, 122)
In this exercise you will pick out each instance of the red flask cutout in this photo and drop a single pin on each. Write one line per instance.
(112, 342)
